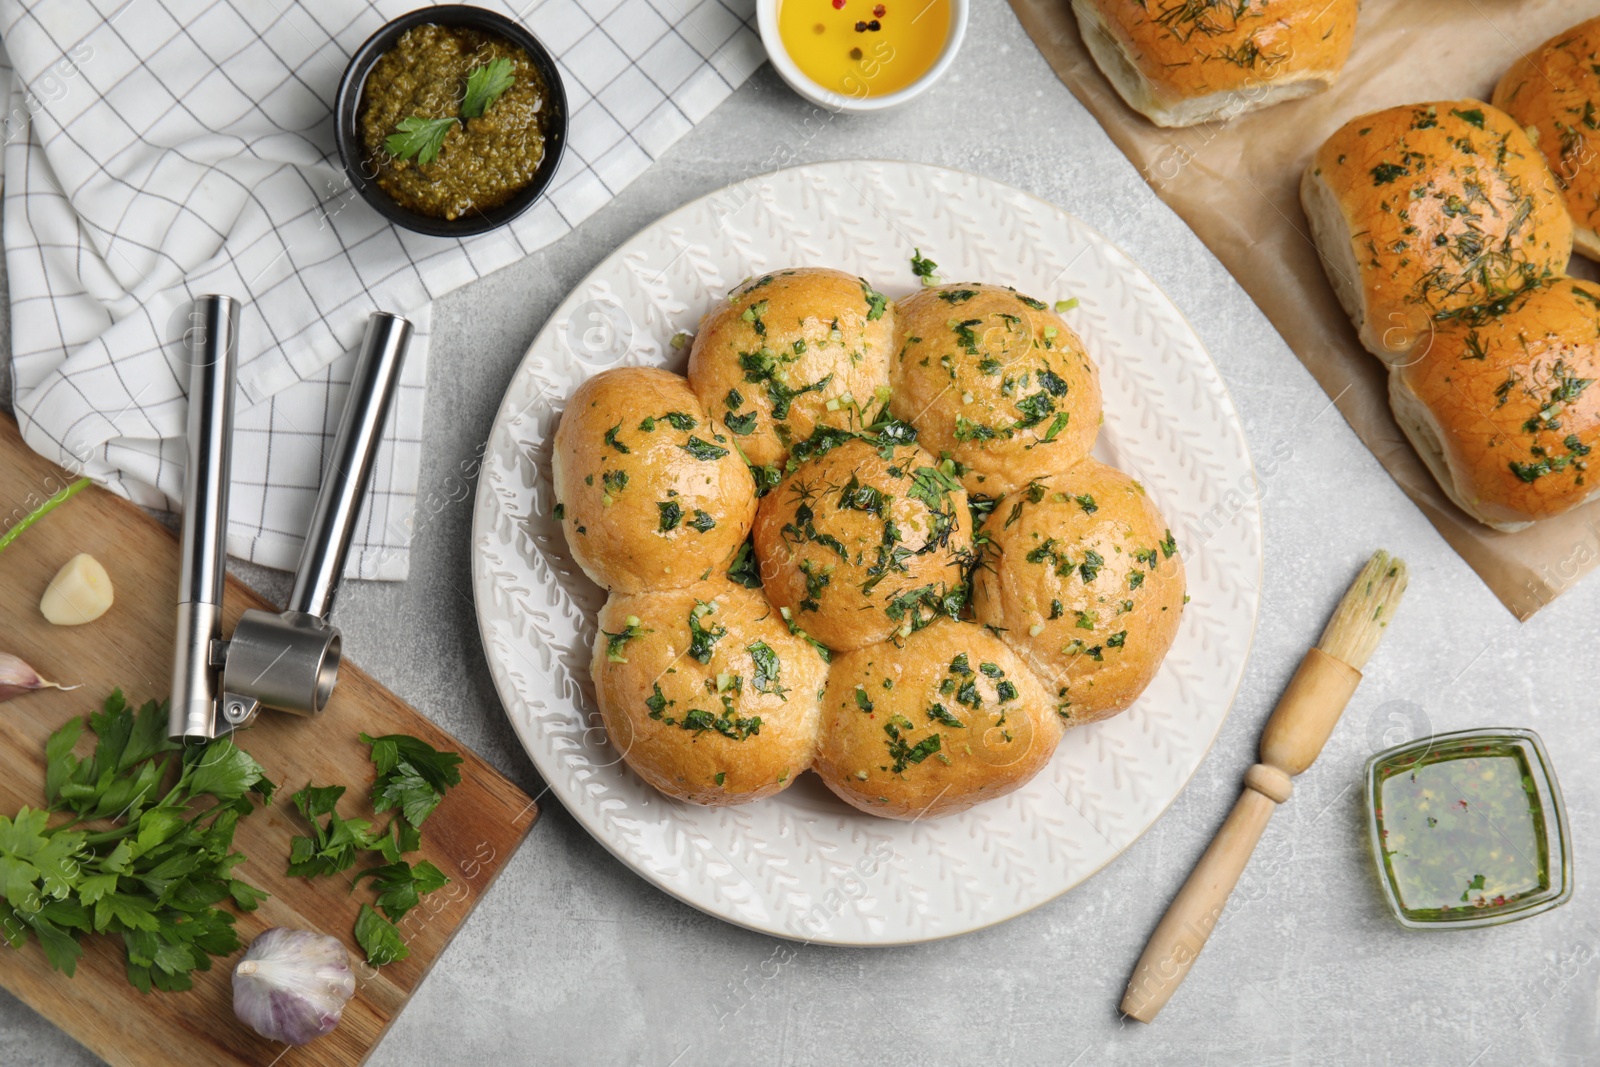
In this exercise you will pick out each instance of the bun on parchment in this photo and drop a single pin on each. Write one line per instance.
(994, 380)
(1502, 407)
(863, 541)
(1082, 578)
(929, 726)
(1554, 93)
(1427, 209)
(791, 351)
(1180, 63)
(651, 493)
(706, 693)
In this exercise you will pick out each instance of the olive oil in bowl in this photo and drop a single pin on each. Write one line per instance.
(1468, 829)
(865, 50)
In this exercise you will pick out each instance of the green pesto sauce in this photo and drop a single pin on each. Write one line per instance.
(483, 160)
(1462, 829)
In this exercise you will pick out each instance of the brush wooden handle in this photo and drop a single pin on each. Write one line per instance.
(1193, 914)
(1291, 741)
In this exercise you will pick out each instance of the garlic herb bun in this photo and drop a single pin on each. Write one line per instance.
(791, 351)
(994, 380)
(1082, 577)
(650, 492)
(706, 693)
(932, 725)
(1426, 209)
(1180, 63)
(1503, 408)
(866, 539)
(1554, 93)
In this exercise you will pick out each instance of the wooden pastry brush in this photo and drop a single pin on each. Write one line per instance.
(1290, 743)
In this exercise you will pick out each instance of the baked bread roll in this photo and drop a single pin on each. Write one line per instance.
(1502, 408)
(865, 540)
(791, 351)
(705, 693)
(1554, 93)
(932, 726)
(1180, 63)
(1426, 209)
(996, 381)
(651, 493)
(1082, 577)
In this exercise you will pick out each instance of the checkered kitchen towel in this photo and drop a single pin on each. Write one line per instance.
(160, 149)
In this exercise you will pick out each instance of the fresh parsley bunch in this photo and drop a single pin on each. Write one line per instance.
(134, 860)
(413, 776)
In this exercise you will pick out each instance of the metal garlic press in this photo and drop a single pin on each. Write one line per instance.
(287, 660)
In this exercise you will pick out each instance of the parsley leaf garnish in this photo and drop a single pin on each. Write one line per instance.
(767, 667)
(703, 450)
(379, 938)
(401, 885)
(485, 83)
(702, 638)
(418, 138)
(412, 775)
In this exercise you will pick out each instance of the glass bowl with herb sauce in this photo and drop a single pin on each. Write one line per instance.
(1468, 829)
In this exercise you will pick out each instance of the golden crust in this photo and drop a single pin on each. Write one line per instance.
(639, 508)
(996, 381)
(850, 546)
(686, 725)
(1554, 93)
(1083, 579)
(1176, 51)
(784, 346)
(1508, 403)
(1443, 206)
(890, 745)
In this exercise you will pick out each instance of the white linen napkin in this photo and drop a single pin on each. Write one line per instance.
(161, 149)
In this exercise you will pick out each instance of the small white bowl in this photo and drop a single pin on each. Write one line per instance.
(767, 16)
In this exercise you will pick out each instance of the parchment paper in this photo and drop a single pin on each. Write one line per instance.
(1237, 185)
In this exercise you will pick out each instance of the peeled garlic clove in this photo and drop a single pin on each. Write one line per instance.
(79, 593)
(16, 678)
(292, 985)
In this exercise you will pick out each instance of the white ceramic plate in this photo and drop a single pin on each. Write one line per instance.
(804, 865)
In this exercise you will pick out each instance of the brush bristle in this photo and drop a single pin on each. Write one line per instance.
(1368, 605)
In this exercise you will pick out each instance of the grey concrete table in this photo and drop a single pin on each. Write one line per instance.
(573, 959)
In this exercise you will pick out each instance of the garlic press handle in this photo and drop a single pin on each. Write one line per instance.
(348, 467)
(211, 347)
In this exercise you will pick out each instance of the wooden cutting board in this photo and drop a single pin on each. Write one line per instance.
(470, 836)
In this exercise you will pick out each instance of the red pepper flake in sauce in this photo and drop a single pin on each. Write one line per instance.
(838, 5)
(880, 11)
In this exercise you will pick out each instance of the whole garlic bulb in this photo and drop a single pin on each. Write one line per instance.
(292, 985)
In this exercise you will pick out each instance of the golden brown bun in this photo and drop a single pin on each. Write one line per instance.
(996, 381)
(640, 510)
(1554, 92)
(785, 345)
(1181, 63)
(1431, 208)
(681, 711)
(1083, 578)
(1501, 406)
(889, 746)
(849, 545)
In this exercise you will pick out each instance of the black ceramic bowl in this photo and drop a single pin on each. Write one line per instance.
(347, 110)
